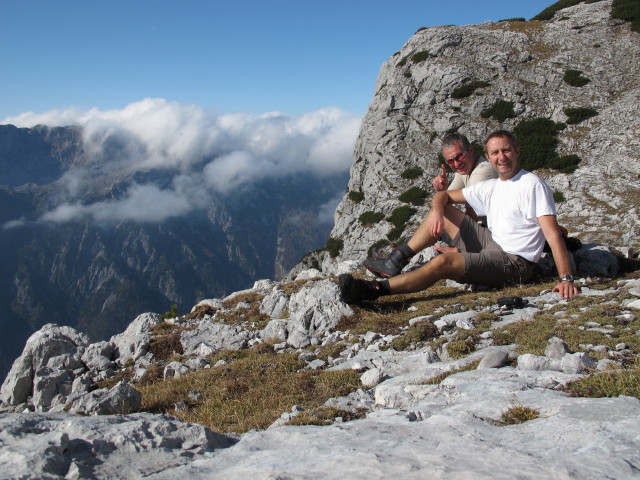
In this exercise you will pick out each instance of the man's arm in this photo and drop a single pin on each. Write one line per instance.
(551, 231)
(438, 202)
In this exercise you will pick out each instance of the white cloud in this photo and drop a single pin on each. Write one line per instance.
(328, 209)
(210, 153)
(143, 203)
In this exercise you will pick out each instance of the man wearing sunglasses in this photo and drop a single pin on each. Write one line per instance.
(521, 213)
(469, 169)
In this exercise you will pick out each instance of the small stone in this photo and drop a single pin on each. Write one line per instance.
(495, 359)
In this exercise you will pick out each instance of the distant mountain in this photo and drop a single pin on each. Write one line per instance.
(97, 276)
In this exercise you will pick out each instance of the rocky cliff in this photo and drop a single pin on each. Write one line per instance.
(478, 78)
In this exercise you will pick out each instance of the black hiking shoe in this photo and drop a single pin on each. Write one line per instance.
(392, 265)
(354, 290)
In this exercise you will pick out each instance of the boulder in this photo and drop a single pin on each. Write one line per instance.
(494, 359)
(556, 348)
(99, 356)
(175, 370)
(133, 343)
(594, 259)
(275, 303)
(215, 336)
(51, 344)
(121, 399)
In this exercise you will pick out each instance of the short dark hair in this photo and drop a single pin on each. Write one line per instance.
(451, 138)
(501, 134)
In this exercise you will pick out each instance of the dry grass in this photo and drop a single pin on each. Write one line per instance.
(612, 383)
(518, 414)
(574, 323)
(440, 377)
(325, 416)
(250, 392)
(256, 386)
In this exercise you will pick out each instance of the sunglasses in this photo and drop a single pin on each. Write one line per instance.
(457, 158)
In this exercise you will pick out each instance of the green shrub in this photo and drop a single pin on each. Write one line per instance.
(579, 114)
(627, 10)
(395, 233)
(407, 74)
(516, 19)
(356, 196)
(549, 12)
(575, 78)
(558, 197)
(564, 163)
(401, 215)
(501, 110)
(420, 56)
(411, 173)
(379, 245)
(399, 218)
(466, 89)
(334, 246)
(538, 141)
(414, 196)
(477, 149)
(370, 218)
(173, 313)
(403, 61)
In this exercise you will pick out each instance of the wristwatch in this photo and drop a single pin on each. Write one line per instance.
(566, 278)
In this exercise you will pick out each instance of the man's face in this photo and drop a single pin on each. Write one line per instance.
(503, 157)
(459, 160)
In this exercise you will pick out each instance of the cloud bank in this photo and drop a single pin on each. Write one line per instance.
(206, 153)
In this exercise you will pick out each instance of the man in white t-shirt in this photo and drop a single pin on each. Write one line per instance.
(469, 169)
(521, 215)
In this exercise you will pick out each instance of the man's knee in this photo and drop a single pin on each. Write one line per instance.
(449, 264)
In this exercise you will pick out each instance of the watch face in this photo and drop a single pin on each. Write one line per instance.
(567, 278)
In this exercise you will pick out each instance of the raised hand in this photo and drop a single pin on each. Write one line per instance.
(440, 182)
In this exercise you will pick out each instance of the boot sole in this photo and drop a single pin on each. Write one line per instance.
(377, 272)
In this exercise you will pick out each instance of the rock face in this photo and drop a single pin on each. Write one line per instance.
(64, 446)
(523, 63)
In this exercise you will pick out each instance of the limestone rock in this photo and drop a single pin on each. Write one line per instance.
(216, 336)
(596, 260)
(495, 359)
(556, 348)
(314, 311)
(70, 446)
(133, 343)
(47, 345)
(121, 399)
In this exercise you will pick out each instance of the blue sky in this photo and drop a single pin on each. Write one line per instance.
(251, 56)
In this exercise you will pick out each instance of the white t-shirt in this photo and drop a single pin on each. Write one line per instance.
(512, 208)
(481, 172)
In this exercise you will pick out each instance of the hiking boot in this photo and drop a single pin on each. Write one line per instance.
(354, 290)
(391, 265)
